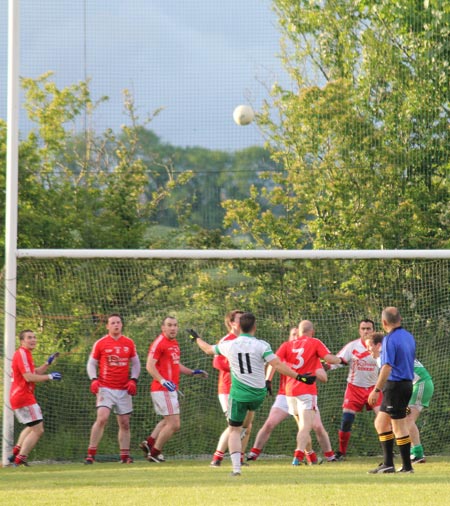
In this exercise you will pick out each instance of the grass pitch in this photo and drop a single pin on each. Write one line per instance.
(186, 483)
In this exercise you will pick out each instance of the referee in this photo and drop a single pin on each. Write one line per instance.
(395, 380)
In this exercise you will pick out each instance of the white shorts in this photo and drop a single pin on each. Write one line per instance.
(29, 414)
(166, 403)
(223, 399)
(119, 401)
(281, 403)
(301, 403)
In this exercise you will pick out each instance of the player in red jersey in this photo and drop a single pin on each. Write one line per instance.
(163, 364)
(24, 376)
(113, 383)
(280, 411)
(224, 385)
(304, 355)
(361, 379)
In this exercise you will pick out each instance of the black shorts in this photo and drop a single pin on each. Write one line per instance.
(396, 395)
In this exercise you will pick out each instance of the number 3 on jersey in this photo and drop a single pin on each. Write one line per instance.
(299, 359)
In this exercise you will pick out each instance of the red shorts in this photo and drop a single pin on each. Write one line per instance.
(355, 398)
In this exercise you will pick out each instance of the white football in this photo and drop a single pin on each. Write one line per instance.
(243, 115)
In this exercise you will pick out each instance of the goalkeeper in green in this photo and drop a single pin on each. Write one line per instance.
(247, 356)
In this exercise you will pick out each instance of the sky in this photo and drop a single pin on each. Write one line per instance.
(195, 59)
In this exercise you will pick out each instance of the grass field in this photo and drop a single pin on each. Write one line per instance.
(180, 483)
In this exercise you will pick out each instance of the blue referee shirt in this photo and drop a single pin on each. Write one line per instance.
(399, 350)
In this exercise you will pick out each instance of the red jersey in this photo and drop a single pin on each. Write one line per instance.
(167, 354)
(113, 357)
(220, 362)
(283, 378)
(22, 391)
(303, 355)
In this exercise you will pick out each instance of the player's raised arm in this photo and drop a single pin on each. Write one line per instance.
(203, 345)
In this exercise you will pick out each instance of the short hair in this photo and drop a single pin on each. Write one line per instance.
(167, 318)
(367, 320)
(377, 337)
(114, 315)
(391, 315)
(23, 332)
(247, 322)
(230, 317)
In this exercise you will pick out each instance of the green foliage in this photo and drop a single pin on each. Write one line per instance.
(363, 134)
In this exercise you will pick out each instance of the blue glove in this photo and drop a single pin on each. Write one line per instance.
(199, 372)
(169, 385)
(52, 357)
(55, 376)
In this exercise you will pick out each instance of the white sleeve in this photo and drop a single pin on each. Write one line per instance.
(135, 367)
(92, 368)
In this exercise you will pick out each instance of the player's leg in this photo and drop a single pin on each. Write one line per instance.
(246, 431)
(124, 438)
(30, 440)
(97, 431)
(172, 425)
(18, 446)
(148, 443)
(421, 396)
(166, 405)
(386, 437)
(306, 415)
(323, 438)
(234, 446)
(276, 415)
(345, 430)
(222, 444)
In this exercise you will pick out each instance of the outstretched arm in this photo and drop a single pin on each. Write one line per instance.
(203, 345)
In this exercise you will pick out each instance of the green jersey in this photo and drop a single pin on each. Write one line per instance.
(420, 373)
(247, 357)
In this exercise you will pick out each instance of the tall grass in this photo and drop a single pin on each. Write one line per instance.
(188, 483)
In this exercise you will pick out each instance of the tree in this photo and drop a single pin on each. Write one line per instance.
(83, 190)
(363, 135)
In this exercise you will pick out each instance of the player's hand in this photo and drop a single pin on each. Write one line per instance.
(95, 386)
(325, 365)
(132, 386)
(199, 372)
(57, 376)
(269, 387)
(52, 357)
(306, 378)
(193, 336)
(169, 385)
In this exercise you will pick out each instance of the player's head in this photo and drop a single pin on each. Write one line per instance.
(169, 327)
(114, 324)
(247, 323)
(232, 319)
(28, 339)
(374, 342)
(305, 328)
(390, 318)
(366, 327)
(293, 333)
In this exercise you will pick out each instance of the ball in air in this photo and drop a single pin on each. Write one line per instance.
(243, 115)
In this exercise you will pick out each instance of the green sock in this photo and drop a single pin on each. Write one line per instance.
(417, 451)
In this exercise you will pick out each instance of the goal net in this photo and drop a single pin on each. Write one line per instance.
(65, 300)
